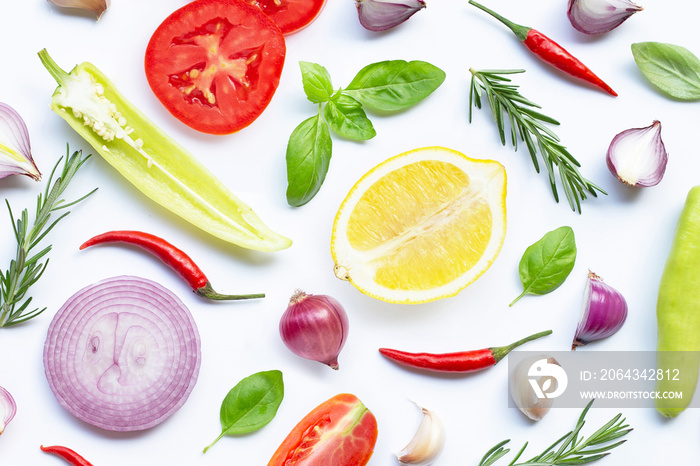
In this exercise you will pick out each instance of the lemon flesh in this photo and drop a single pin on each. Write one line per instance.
(421, 226)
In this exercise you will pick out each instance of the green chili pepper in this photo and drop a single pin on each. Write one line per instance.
(678, 312)
(152, 161)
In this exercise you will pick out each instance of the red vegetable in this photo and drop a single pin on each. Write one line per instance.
(550, 52)
(340, 431)
(171, 256)
(290, 15)
(463, 361)
(215, 64)
(67, 454)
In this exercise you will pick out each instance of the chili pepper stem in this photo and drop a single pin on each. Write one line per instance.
(500, 352)
(208, 292)
(519, 30)
(56, 71)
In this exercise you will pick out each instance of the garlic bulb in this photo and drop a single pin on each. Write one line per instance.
(638, 156)
(599, 16)
(380, 15)
(521, 390)
(427, 443)
(96, 6)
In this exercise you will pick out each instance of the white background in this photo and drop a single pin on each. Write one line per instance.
(624, 236)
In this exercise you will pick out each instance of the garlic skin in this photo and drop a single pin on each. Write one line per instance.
(604, 312)
(15, 149)
(96, 6)
(427, 443)
(599, 16)
(380, 15)
(8, 408)
(638, 157)
(522, 393)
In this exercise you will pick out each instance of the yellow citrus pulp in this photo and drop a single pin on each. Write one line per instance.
(421, 226)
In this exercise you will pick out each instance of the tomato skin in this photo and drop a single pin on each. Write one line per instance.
(290, 15)
(215, 64)
(340, 431)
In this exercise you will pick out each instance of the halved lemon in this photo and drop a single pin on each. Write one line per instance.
(421, 226)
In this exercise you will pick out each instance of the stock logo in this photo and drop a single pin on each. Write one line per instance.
(547, 380)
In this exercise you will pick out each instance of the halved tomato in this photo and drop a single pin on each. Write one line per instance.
(339, 432)
(290, 15)
(215, 64)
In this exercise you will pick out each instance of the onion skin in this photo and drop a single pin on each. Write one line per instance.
(315, 327)
(595, 17)
(604, 312)
(122, 354)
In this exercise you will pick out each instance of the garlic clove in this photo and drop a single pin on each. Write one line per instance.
(427, 443)
(521, 390)
(15, 149)
(604, 312)
(96, 6)
(8, 408)
(599, 16)
(380, 15)
(638, 157)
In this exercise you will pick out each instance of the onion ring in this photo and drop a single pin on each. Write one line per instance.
(122, 354)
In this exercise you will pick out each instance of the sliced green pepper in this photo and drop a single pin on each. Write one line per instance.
(151, 160)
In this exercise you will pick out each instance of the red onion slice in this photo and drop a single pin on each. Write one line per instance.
(122, 354)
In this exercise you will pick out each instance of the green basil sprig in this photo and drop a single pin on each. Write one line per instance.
(387, 86)
(251, 404)
(546, 264)
(673, 69)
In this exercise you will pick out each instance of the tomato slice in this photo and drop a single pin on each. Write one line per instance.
(290, 15)
(215, 64)
(339, 432)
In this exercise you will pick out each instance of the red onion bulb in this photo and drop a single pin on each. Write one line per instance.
(604, 312)
(122, 354)
(315, 327)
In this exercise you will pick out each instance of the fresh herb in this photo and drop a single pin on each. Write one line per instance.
(507, 103)
(673, 69)
(251, 404)
(387, 86)
(26, 269)
(571, 448)
(546, 264)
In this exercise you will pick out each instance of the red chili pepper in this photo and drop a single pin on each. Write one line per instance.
(463, 361)
(550, 52)
(173, 257)
(67, 454)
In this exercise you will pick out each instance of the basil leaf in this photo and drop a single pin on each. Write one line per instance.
(394, 85)
(251, 404)
(308, 155)
(347, 119)
(674, 70)
(316, 81)
(546, 264)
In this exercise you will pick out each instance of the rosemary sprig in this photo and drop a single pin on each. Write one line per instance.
(26, 269)
(507, 104)
(571, 448)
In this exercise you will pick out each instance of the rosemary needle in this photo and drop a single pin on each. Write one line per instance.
(507, 104)
(572, 448)
(24, 269)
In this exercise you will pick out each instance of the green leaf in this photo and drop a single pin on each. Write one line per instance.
(347, 119)
(546, 264)
(316, 81)
(673, 69)
(308, 155)
(395, 85)
(251, 404)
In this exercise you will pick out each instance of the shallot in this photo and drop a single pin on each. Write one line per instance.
(638, 156)
(380, 15)
(599, 16)
(8, 409)
(315, 327)
(15, 149)
(603, 314)
(122, 354)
